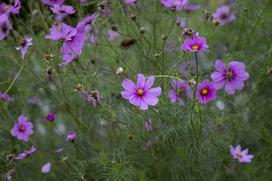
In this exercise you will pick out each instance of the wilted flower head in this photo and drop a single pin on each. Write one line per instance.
(205, 92)
(22, 129)
(26, 153)
(223, 15)
(51, 117)
(6, 97)
(141, 94)
(241, 156)
(46, 168)
(24, 44)
(195, 44)
(233, 76)
(62, 11)
(93, 97)
(53, 2)
(71, 137)
(180, 90)
(5, 26)
(174, 4)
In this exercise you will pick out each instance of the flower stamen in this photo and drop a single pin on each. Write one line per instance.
(140, 92)
(195, 47)
(204, 92)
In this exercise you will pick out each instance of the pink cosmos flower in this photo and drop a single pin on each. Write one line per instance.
(195, 44)
(22, 129)
(52, 2)
(241, 156)
(141, 94)
(5, 26)
(223, 15)
(26, 153)
(174, 4)
(71, 137)
(233, 76)
(46, 168)
(205, 92)
(8, 8)
(24, 44)
(62, 11)
(180, 90)
(61, 32)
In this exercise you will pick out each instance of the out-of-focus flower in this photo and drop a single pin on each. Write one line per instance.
(5, 26)
(195, 44)
(6, 97)
(22, 129)
(26, 153)
(174, 4)
(51, 117)
(233, 76)
(181, 22)
(53, 2)
(130, 1)
(189, 8)
(71, 137)
(34, 101)
(112, 34)
(91, 34)
(142, 94)
(82, 1)
(186, 68)
(24, 44)
(205, 92)
(148, 125)
(46, 168)
(180, 90)
(241, 156)
(62, 11)
(223, 15)
(104, 8)
(8, 8)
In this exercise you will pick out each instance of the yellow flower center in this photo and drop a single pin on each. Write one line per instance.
(204, 92)
(239, 154)
(22, 128)
(229, 74)
(6, 8)
(195, 47)
(140, 92)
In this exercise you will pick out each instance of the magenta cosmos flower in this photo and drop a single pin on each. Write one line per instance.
(62, 11)
(223, 15)
(26, 153)
(141, 94)
(174, 4)
(53, 2)
(22, 129)
(195, 44)
(8, 8)
(71, 137)
(180, 90)
(205, 92)
(241, 156)
(61, 32)
(51, 117)
(24, 44)
(233, 76)
(5, 26)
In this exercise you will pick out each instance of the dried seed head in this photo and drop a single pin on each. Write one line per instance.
(164, 36)
(133, 17)
(192, 82)
(187, 33)
(120, 71)
(79, 87)
(142, 30)
(206, 15)
(216, 22)
(127, 43)
(114, 28)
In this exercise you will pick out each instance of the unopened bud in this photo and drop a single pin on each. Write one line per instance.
(119, 71)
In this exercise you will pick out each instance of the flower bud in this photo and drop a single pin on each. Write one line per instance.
(119, 71)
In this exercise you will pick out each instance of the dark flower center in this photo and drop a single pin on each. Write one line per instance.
(140, 92)
(180, 92)
(224, 16)
(229, 75)
(21, 128)
(204, 92)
